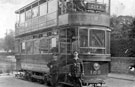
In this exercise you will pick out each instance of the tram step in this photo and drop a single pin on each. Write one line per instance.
(64, 83)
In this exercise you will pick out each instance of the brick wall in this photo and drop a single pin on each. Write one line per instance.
(121, 64)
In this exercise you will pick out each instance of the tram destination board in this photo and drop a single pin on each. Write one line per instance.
(98, 7)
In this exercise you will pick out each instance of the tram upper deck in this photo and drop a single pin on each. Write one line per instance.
(43, 14)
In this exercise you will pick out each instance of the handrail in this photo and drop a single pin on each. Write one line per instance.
(36, 18)
(30, 23)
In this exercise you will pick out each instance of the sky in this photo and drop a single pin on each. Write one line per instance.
(8, 8)
(123, 7)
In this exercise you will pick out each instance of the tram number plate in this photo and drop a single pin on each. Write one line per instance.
(96, 72)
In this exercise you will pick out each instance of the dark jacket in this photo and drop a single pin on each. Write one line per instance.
(53, 65)
(76, 68)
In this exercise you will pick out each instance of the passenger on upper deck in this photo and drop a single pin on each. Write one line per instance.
(79, 5)
(71, 6)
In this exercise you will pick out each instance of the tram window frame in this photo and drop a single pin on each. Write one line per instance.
(28, 14)
(17, 19)
(36, 49)
(108, 41)
(50, 48)
(17, 46)
(85, 42)
(54, 47)
(41, 45)
(35, 12)
(23, 47)
(92, 49)
(22, 18)
(31, 47)
(43, 9)
(91, 40)
(52, 6)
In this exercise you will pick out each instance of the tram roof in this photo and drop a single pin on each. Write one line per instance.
(21, 9)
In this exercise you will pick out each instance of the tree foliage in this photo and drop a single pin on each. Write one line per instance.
(121, 26)
(1, 43)
(131, 40)
(122, 36)
(9, 41)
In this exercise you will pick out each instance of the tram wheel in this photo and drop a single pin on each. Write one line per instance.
(32, 79)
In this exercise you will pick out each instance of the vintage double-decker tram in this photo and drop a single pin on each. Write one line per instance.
(45, 27)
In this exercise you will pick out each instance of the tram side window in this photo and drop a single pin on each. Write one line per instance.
(36, 46)
(43, 9)
(52, 6)
(17, 46)
(17, 18)
(29, 47)
(28, 14)
(22, 17)
(83, 37)
(23, 47)
(97, 38)
(54, 45)
(35, 12)
(44, 45)
(74, 38)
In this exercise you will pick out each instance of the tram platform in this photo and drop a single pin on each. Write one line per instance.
(122, 76)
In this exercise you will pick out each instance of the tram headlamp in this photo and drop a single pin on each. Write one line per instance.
(96, 66)
(131, 68)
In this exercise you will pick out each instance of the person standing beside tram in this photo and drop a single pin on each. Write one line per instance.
(76, 68)
(53, 65)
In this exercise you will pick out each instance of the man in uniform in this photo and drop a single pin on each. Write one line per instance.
(76, 68)
(53, 65)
